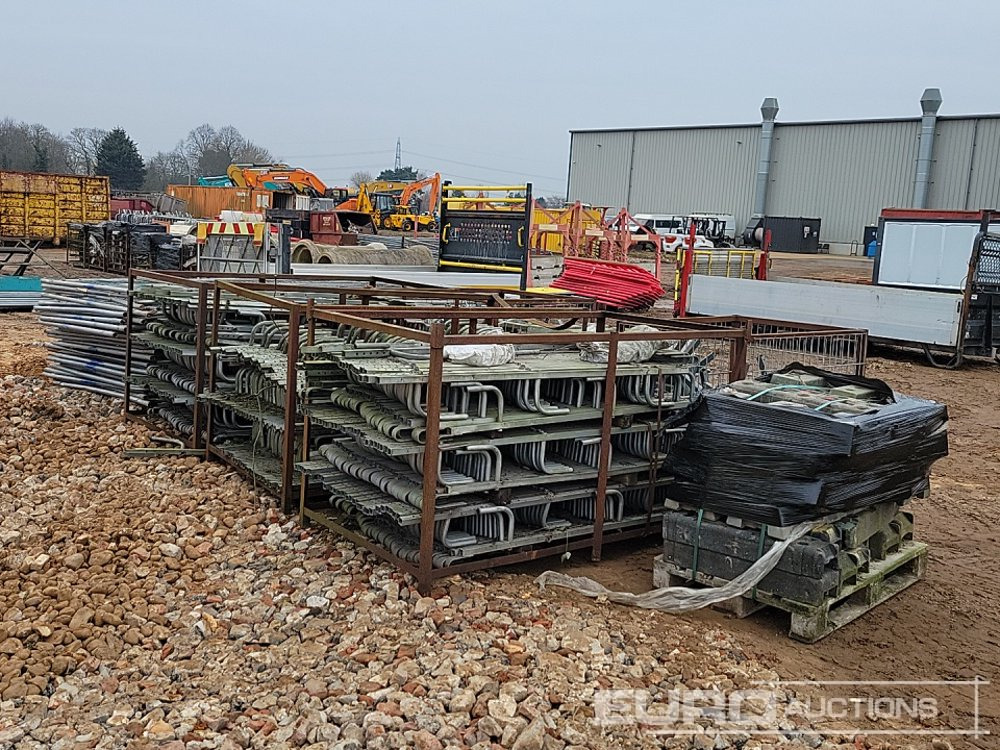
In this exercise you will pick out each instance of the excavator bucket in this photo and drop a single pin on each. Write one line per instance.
(356, 221)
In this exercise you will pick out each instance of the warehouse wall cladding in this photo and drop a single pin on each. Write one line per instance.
(843, 172)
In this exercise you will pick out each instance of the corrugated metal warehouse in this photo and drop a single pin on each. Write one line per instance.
(842, 172)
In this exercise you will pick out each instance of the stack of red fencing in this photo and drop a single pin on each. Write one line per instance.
(619, 285)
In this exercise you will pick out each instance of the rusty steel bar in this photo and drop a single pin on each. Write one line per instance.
(388, 312)
(371, 325)
(199, 367)
(738, 349)
(266, 299)
(291, 408)
(432, 453)
(361, 540)
(489, 563)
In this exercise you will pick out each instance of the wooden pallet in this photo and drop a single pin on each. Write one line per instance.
(809, 623)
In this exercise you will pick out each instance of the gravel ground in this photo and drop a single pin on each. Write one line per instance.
(159, 603)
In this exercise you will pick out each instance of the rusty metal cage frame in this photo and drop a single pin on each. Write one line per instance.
(365, 307)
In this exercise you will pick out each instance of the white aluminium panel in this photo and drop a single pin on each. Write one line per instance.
(905, 315)
(933, 255)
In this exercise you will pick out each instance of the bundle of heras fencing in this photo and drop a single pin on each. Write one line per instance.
(803, 444)
(86, 322)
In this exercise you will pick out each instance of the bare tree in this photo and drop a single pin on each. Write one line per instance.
(199, 140)
(211, 151)
(82, 145)
(166, 168)
(14, 147)
(31, 148)
(228, 139)
(251, 153)
(359, 178)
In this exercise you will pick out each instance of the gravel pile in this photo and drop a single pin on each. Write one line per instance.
(159, 603)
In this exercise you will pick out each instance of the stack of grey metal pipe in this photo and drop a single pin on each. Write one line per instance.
(86, 322)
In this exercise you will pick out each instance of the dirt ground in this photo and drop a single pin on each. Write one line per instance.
(50, 263)
(943, 628)
(22, 344)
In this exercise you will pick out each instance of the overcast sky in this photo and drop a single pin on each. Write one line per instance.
(480, 91)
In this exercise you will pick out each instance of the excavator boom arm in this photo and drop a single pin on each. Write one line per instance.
(433, 182)
(257, 175)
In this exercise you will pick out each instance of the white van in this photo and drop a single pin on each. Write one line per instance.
(660, 223)
(675, 228)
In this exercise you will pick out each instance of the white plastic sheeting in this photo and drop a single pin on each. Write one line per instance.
(678, 599)
(482, 355)
(628, 351)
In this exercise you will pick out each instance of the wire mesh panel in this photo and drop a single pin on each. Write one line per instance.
(773, 346)
(225, 253)
(717, 355)
(988, 266)
(739, 264)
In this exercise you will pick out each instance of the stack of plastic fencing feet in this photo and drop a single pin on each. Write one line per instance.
(86, 322)
(619, 285)
(804, 445)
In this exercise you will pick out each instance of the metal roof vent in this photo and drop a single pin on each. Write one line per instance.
(769, 109)
(930, 103)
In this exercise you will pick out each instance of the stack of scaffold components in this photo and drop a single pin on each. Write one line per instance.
(170, 333)
(249, 402)
(804, 445)
(86, 324)
(520, 434)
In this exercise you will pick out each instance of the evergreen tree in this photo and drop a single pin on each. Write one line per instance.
(403, 174)
(118, 158)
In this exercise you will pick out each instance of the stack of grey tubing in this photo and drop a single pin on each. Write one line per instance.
(85, 320)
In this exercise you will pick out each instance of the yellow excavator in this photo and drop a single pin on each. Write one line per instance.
(391, 187)
(405, 216)
(392, 210)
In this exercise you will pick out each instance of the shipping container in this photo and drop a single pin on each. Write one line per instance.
(38, 206)
(204, 202)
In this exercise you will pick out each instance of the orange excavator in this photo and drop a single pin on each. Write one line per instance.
(279, 177)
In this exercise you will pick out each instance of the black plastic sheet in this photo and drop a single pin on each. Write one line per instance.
(780, 465)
